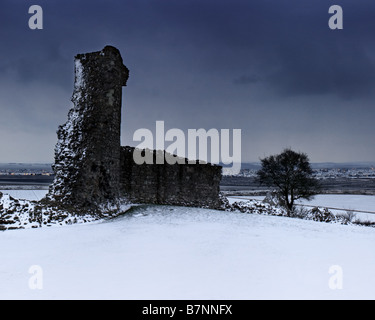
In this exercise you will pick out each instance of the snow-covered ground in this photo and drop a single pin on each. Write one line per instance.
(26, 194)
(164, 252)
(344, 201)
(340, 201)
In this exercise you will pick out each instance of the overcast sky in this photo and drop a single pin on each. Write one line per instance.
(272, 68)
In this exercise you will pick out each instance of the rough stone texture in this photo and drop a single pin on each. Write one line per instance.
(87, 154)
(92, 170)
(93, 173)
(196, 185)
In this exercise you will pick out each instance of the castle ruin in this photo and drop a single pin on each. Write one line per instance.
(87, 154)
(91, 168)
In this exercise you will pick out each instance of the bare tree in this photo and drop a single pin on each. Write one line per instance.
(291, 174)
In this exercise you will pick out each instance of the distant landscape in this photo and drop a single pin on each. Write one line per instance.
(25, 175)
(335, 178)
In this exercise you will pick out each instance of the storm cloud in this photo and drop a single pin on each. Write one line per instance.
(273, 69)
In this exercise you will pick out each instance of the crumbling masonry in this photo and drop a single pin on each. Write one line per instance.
(91, 168)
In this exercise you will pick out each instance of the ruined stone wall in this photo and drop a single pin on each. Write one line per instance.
(87, 154)
(196, 185)
(92, 169)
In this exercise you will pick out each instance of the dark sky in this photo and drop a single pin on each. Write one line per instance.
(272, 68)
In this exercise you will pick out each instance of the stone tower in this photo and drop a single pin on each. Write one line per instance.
(87, 154)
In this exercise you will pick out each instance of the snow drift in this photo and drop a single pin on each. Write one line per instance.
(165, 252)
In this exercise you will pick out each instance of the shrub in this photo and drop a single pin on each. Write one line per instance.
(318, 214)
(346, 218)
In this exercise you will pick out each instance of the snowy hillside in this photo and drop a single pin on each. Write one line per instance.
(31, 194)
(163, 252)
